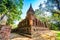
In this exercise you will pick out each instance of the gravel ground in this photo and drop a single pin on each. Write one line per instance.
(15, 36)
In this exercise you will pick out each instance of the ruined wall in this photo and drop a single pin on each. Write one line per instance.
(5, 32)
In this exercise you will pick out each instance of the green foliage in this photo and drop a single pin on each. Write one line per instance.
(38, 14)
(55, 17)
(50, 6)
(12, 9)
(54, 26)
(41, 15)
(58, 35)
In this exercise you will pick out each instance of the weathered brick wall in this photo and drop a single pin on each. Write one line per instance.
(5, 32)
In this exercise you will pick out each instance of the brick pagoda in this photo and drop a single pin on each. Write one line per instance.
(31, 24)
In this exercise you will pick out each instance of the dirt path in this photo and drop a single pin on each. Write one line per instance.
(15, 36)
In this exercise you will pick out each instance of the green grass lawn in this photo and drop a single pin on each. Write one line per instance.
(57, 35)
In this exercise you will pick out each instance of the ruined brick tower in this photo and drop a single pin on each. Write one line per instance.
(30, 23)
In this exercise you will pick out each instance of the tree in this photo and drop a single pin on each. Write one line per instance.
(42, 16)
(52, 6)
(11, 9)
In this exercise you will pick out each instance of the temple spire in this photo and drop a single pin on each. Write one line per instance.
(30, 6)
(30, 9)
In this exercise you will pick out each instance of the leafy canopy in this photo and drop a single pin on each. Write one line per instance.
(53, 7)
(11, 9)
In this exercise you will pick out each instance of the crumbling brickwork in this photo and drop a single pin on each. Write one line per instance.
(5, 32)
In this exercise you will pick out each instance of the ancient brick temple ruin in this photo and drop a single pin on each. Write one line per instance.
(31, 24)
